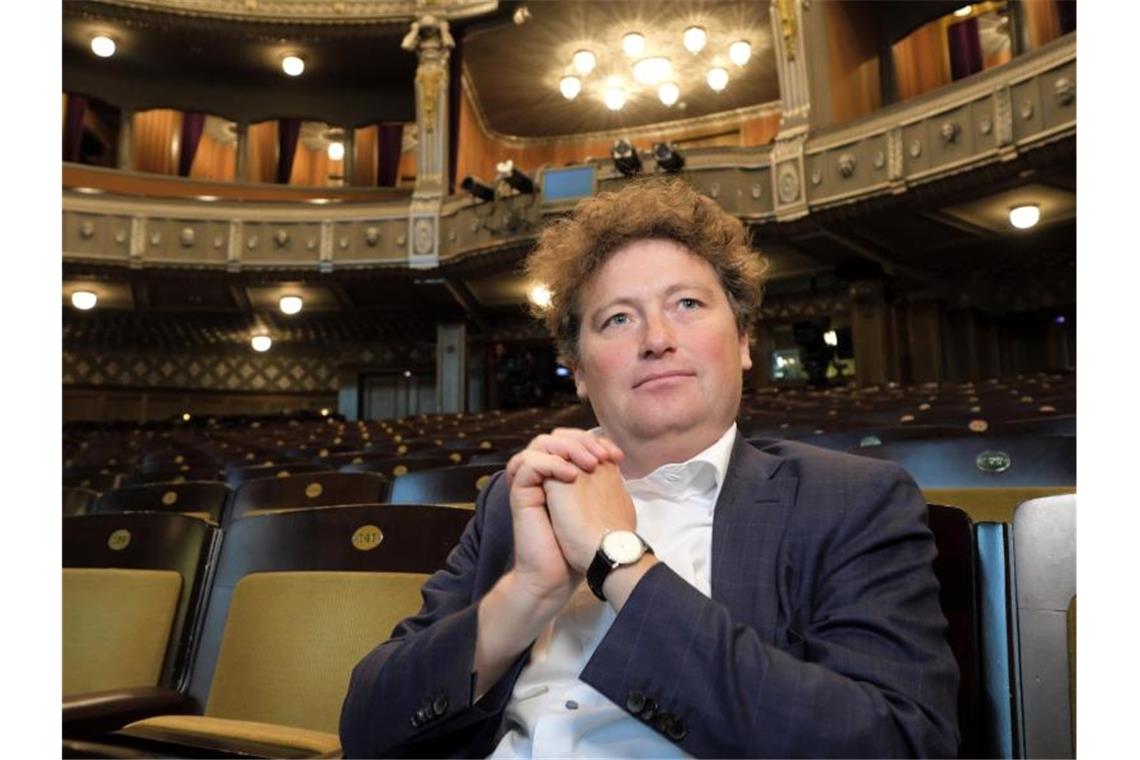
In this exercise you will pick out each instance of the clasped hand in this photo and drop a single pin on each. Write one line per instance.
(566, 491)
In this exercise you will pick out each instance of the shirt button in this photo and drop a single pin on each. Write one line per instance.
(571, 704)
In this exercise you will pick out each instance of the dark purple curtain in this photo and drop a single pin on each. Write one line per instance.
(73, 127)
(288, 131)
(965, 49)
(454, 95)
(192, 124)
(391, 139)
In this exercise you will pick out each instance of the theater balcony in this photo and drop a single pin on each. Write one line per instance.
(874, 151)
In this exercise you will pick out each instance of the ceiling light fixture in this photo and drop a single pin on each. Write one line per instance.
(261, 343)
(291, 304)
(739, 52)
(650, 71)
(614, 97)
(1025, 216)
(718, 78)
(584, 62)
(964, 11)
(633, 44)
(293, 65)
(336, 151)
(521, 15)
(570, 86)
(694, 39)
(83, 300)
(668, 93)
(539, 295)
(102, 46)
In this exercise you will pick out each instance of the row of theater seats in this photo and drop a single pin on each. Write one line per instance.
(183, 639)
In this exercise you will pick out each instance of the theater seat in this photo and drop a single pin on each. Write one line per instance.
(205, 500)
(443, 485)
(1045, 561)
(991, 504)
(299, 598)
(77, 501)
(133, 591)
(397, 467)
(316, 489)
(955, 569)
(236, 476)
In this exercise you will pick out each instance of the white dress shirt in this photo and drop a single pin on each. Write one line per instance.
(553, 714)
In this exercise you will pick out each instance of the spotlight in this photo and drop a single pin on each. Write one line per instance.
(293, 65)
(1024, 217)
(83, 300)
(478, 189)
(668, 158)
(290, 304)
(625, 158)
(102, 46)
(513, 177)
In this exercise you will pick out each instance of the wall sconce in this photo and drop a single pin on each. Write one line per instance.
(625, 158)
(84, 300)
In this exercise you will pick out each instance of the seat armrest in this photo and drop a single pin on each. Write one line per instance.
(99, 712)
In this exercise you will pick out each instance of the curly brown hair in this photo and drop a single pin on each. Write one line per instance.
(571, 249)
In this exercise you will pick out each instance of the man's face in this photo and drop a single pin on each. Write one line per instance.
(660, 357)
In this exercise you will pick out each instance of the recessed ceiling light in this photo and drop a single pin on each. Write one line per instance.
(633, 44)
(1025, 216)
(668, 93)
(336, 151)
(585, 61)
(718, 78)
(102, 46)
(694, 39)
(570, 86)
(290, 304)
(83, 300)
(293, 65)
(739, 52)
(652, 70)
(614, 98)
(261, 342)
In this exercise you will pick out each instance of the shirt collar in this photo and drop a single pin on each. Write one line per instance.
(704, 471)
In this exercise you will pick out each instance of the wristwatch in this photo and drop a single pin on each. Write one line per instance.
(619, 548)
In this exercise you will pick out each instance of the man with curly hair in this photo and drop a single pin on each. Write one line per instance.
(658, 586)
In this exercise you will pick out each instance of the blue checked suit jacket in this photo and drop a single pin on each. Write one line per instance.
(823, 635)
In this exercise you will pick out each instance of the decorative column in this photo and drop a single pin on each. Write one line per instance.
(123, 151)
(241, 171)
(430, 39)
(450, 367)
(789, 190)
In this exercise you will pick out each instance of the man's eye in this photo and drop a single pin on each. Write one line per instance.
(689, 303)
(616, 319)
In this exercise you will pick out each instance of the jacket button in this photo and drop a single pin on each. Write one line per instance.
(439, 706)
(416, 722)
(649, 710)
(676, 730)
(635, 701)
(422, 715)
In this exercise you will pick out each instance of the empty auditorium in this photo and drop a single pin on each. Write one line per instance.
(568, 378)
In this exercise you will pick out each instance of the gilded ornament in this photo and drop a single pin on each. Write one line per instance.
(1065, 90)
(423, 236)
(1027, 109)
(429, 79)
(186, 237)
(846, 165)
(915, 148)
(281, 237)
(87, 229)
(789, 183)
(985, 125)
(949, 131)
(787, 9)
(880, 159)
(372, 236)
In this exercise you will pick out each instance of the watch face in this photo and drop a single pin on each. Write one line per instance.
(622, 546)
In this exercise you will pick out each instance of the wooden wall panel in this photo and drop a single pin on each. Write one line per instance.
(263, 151)
(853, 61)
(406, 172)
(364, 166)
(1042, 21)
(213, 161)
(922, 60)
(154, 140)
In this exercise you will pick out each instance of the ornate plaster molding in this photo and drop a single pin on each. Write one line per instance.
(314, 11)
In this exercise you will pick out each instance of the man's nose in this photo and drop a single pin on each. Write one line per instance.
(658, 337)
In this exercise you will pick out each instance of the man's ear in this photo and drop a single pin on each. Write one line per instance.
(580, 383)
(745, 354)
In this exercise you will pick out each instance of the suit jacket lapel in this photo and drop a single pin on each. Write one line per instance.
(748, 530)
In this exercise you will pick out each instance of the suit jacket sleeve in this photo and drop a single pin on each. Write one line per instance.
(858, 665)
(411, 696)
